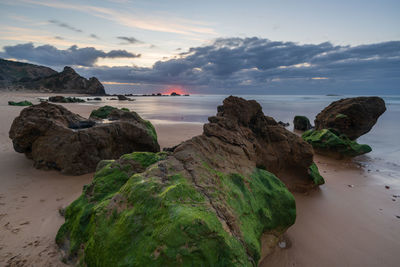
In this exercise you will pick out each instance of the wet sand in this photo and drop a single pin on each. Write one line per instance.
(349, 221)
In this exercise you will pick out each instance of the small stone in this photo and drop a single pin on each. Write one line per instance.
(387, 187)
(350, 185)
(282, 244)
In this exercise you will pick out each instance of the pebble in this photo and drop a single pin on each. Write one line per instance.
(387, 187)
(350, 185)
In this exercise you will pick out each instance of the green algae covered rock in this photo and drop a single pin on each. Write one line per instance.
(315, 175)
(301, 123)
(330, 141)
(160, 217)
(208, 202)
(21, 103)
(102, 112)
(113, 113)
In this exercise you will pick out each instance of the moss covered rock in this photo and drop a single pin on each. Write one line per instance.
(102, 112)
(21, 103)
(160, 217)
(113, 114)
(331, 142)
(301, 123)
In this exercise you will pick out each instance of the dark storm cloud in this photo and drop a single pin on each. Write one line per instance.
(245, 64)
(51, 56)
(129, 40)
(260, 63)
(64, 25)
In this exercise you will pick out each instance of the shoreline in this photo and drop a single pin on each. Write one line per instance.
(351, 220)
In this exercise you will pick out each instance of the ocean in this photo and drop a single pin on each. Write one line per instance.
(384, 138)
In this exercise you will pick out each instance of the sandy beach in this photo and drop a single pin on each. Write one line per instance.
(349, 221)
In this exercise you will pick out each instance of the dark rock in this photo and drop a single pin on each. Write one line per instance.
(23, 76)
(56, 138)
(301, 123)
(62, 99)
(97, 98)
(13, 72)
(352, 117)
(206, 203)
(81, 124)
(122, 97)
(21, 103)
(284, 124)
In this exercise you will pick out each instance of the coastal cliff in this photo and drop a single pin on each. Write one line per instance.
(18, 76)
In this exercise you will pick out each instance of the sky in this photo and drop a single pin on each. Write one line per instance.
(238, 47)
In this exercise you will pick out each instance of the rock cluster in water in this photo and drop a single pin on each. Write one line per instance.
(63, 99)
(56, 138)
(207, 202)
(342, 122)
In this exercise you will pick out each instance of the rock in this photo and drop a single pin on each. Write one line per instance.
(122, 97)
(13, 72)
(62, 99)
(301, 123)
(331, 143)
(282, 244)
(21, 103)
(206, 203)
(97, 98)
(56, 138)
(284, 124)
(23, 76)
(352, 117)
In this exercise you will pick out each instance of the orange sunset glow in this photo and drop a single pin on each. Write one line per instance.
(177, 90)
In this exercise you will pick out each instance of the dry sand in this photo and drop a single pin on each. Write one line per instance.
(350, 221)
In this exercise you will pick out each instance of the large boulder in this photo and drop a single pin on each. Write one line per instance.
(208, 202)
(352, 117)
(56, 138)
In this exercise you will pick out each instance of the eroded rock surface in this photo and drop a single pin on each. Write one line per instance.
(56, 138)
(352, 117)
(207, 202)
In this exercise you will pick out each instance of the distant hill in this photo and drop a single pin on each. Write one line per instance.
(23, 77)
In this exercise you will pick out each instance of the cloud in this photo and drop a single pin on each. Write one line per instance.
(129, 40)
(245, 65)
(94, 36)
(65, 25)
(136, 19)
(52, 56)
(251, 64)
